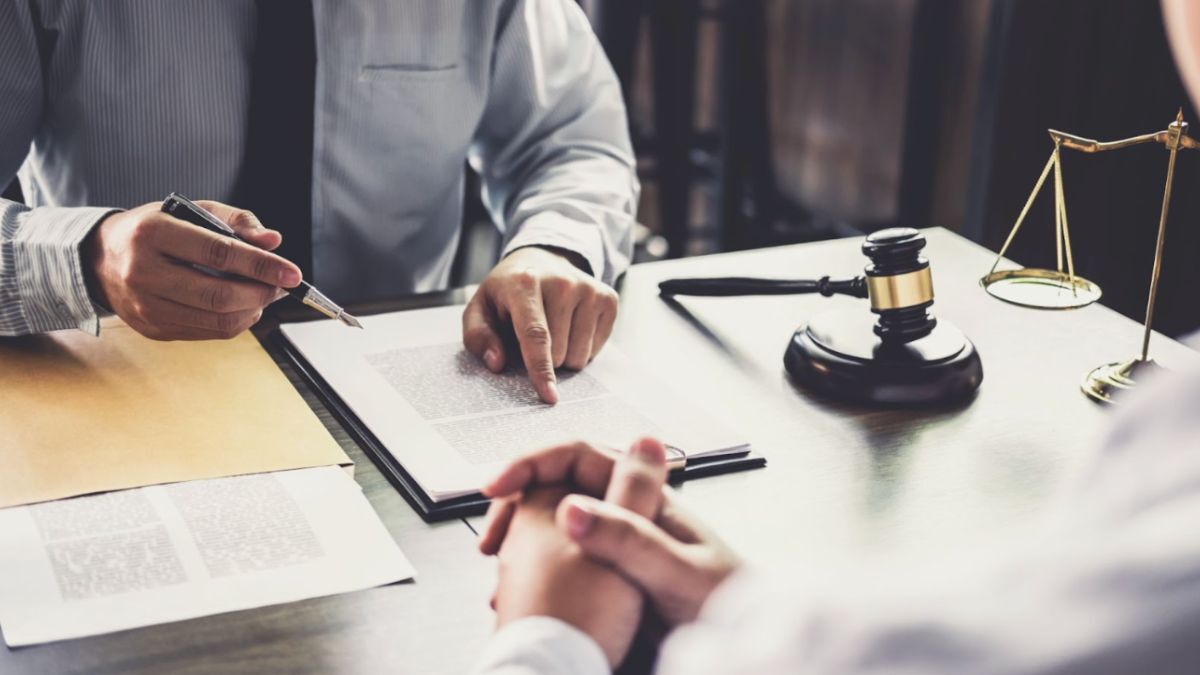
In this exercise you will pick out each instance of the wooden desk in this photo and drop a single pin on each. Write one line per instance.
(843, 482)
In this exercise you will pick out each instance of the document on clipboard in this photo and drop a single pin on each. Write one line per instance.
(451, 424)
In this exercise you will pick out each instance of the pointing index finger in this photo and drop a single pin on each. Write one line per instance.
(533, 334)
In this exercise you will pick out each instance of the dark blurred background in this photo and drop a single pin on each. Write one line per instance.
(763, 122)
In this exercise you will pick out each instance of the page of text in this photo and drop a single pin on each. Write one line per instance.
(119, 560)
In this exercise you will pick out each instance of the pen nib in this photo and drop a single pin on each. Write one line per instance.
(349, 320)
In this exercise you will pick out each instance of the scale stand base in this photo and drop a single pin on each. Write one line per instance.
(1108, 382)
(839, 354)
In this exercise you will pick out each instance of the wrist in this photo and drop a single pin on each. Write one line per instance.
(91, 255)
(576, 260)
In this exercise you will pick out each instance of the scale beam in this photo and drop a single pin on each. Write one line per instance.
(1175, 135)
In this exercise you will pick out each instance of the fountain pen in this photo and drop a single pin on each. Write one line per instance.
(188, 211)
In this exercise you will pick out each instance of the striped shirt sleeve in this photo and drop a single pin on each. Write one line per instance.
(42, 287)
(41, 272)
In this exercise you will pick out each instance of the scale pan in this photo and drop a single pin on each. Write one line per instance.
(1041, 289)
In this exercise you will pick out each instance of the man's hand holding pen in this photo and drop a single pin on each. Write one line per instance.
(140, 265)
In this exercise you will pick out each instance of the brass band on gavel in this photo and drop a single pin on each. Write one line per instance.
(902, 290)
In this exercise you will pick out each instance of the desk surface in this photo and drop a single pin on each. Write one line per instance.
(842, 483)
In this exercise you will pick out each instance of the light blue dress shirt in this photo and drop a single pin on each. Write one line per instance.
(108, 105)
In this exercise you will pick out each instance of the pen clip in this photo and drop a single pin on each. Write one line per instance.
(175, 201)
(676, 457)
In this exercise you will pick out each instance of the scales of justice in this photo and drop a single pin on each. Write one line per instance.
(1063, 289)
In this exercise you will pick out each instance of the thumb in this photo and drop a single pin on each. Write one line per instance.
(480, 336)
(638, 478)
(636, 547)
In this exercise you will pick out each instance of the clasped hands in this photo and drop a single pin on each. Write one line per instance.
(141, 265)
(594, 538)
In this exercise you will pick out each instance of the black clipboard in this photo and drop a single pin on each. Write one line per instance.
(467, 505)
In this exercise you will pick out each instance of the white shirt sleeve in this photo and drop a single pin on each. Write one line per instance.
(538, 645)
(556, 160)
(1110, 584)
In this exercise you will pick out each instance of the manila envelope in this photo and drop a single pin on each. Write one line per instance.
(80, 414)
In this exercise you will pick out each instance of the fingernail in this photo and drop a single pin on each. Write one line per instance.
(648, 451)
(491, 358)
(289, 277)
(579, 520)
(552, 390)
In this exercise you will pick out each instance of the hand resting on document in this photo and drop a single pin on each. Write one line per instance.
(560, 316)
(664, 552)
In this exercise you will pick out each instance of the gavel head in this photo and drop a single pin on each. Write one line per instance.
(911, 359)
(899, 285)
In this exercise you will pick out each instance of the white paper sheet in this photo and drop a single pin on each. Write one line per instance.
(452, 424)
(119, 560)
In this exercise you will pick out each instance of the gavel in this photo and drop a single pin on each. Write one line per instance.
(904, 357)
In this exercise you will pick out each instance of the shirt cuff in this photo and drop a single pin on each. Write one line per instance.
(49, 268)
(541, 644)
(558, 231)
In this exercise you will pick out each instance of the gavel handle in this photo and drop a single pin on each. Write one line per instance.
(731, 286)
